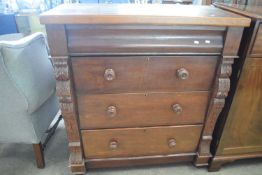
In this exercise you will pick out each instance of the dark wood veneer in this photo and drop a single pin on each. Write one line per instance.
(143, 74)
(143, 109)
(166, 72)
(132, 142)
(142, 14)
(139, 161)
(90, 39)
(257, 47)
(238, 131)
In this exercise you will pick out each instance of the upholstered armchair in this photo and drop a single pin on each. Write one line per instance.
(28, 103)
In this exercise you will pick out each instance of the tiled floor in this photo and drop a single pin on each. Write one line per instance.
(19, 160)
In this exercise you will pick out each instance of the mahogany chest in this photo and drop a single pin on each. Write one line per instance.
(141, 84)
(238, 132)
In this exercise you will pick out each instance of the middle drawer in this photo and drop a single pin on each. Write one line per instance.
(138, 110)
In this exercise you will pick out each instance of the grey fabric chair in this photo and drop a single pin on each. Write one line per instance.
(28, 103)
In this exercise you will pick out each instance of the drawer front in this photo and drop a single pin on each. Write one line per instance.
(140, 141)
(181, 73)
(139, 74)
(108, 75)
(138, 110)
(257, 48)
(134, 39)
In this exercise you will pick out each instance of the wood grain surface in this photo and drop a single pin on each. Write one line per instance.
(253, 11)
(156, 14)
(139, 160)
(243, 127)
(237, 134)
(140, 141)
(143, 39)
(144, 66)
(138, 110)
(257, 48)
(142, 74)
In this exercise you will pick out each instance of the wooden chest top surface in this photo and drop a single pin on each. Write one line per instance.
(246, 10)
(142, 14)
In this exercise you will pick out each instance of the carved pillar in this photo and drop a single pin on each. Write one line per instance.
(64, 90)
(220, 90)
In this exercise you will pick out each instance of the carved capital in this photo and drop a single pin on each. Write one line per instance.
(223, 87)
(61, 68)
(226, 70)
(63, 88)
(66, 107)
(63, 84)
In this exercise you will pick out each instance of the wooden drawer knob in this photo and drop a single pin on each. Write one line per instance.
(171, 143)
(111, 111)
(182, 74)
(109, 74)
(113, 144)
(177, 108)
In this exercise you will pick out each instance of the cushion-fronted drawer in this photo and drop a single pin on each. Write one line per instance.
(141, 39)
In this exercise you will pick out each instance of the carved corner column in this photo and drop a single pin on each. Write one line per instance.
(64, 90)
(221, 87)
(216, 104)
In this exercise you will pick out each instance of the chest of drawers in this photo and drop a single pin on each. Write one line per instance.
(239, 129)
(141, 84)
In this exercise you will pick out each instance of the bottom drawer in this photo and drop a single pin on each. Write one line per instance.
(131, 142)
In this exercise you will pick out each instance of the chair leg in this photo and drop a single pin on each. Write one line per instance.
(39, 155)
(39, 148)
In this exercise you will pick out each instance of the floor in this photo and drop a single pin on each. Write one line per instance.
(19, 160)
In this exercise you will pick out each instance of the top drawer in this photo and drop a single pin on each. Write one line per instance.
(257, 48)
(140, 73)
(134, 39)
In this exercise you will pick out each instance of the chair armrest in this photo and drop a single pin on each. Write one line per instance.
(27, 63)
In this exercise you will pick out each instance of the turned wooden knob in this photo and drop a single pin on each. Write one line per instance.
(111, 111)
(177, 108)
(182, 74)
(113, 144)
(171, 143)
(109, 74)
